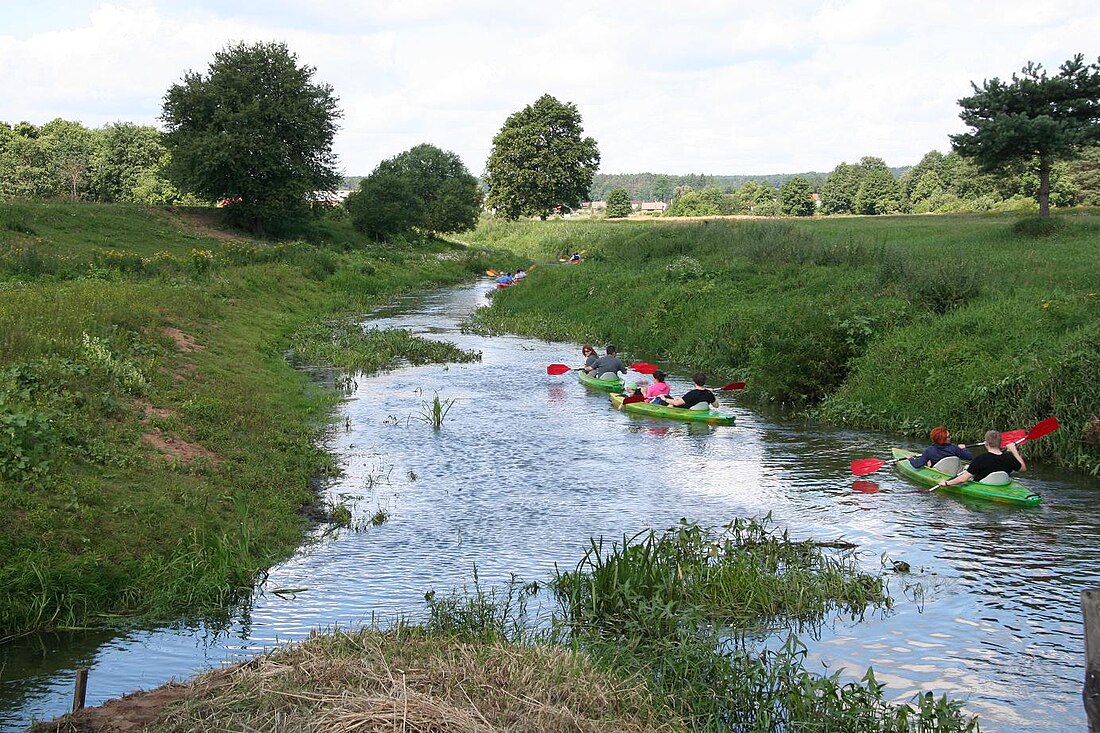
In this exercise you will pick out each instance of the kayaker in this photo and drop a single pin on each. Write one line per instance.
(695, 396)
(575, 257)
(993, 460)
(588, 351)
(608, 366)
(505, 279)
(658, 389)
(941, 447)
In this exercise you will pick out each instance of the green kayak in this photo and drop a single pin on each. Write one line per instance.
(604, 384)
(1010, 493)
(710, 417)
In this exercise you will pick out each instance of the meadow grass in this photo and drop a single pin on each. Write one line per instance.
(890, 323)
(156, 447)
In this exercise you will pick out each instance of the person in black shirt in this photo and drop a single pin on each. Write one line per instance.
(698, 394)
(993, 460)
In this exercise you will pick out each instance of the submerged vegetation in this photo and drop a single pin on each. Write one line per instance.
(155, 444)
(888, 323)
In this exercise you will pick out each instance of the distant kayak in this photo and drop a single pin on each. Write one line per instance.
(1011, 493)
(605, 384)
(710, 417)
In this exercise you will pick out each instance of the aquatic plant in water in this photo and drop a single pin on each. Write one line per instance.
(435, 412)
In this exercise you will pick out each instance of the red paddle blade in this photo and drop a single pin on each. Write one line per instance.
(864, 466)
(1043, 427)
(632, 399)
(644, 368)
(732, 386)
(1012, 436)
(557, 369)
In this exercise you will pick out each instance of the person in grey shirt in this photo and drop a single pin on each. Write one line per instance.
(608, 366)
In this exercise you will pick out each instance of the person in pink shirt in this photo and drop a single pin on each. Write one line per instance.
(659, 388)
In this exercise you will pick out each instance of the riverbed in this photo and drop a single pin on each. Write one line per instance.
(527, 468)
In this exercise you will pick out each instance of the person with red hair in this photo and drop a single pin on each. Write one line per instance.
(941, 447)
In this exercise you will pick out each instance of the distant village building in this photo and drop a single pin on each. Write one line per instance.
(329, 198)
(652, 207)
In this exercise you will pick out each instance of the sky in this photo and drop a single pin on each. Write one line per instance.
(721, 87)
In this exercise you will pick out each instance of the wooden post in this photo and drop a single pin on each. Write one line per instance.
(80, 691)
(1090, 608)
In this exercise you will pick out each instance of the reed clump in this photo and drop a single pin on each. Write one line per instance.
(747, 577)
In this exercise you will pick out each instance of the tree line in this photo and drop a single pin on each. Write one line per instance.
(939, 183)
(121, 162)
(255, 131)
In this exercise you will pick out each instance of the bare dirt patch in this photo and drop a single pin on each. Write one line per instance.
(184, 342)
(131, 712)
(178, 449)
(151, 412)
(204, 223)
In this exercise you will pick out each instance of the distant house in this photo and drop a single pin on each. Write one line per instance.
(652, 207)
(330, 198)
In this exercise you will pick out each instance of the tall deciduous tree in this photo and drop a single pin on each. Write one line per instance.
(618, 204)
(878, 191)
(424, 188)
(68, 148)
(838, 193)
(1033, 117)
(796, 198)
(122, 163)
(540, 162)
(256, 128)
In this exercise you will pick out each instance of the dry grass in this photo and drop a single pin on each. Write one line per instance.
(407, 680)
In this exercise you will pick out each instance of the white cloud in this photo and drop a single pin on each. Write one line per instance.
(713, 86)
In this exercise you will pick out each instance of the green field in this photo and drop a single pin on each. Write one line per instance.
(890, 323)
(156, 446)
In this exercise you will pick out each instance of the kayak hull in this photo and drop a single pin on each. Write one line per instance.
(608, 385)
(1010, 493)
(648, 409)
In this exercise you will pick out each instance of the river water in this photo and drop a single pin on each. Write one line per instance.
(528, 467)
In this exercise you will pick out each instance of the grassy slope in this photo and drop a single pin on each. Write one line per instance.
(96, 520)
(840, 313)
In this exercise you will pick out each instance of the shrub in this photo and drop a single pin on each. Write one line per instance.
(947, 287)
(1036, 227)
(26, 437)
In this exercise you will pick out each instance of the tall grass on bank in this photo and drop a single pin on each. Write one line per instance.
(889, 323)
(155, 444)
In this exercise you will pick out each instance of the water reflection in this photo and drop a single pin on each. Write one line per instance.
(527, 467)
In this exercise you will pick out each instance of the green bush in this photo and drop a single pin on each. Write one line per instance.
(1036, 227)
(27, 437)
(947, 286)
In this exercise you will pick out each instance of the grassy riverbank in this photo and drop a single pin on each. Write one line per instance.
(660, 632)
(890, 323)
(156, 447)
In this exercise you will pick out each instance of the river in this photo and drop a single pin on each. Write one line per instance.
(528, 467)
